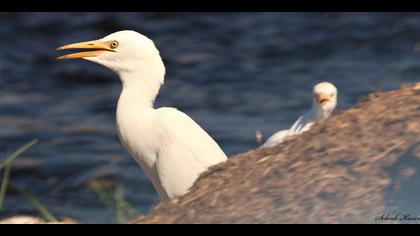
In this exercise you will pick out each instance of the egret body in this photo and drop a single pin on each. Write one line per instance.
(171, 148)
(323, 104)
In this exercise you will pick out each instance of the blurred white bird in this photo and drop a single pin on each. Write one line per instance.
(170, 147)
(324, 102)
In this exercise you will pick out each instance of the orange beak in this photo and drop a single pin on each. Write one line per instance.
(96, 47)
(323, 98)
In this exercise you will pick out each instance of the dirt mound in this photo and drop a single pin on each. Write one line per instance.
(361, 164)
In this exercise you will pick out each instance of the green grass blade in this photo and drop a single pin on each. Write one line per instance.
(115, 201)
(378, 83)
(4, 183)
(34, 202)
(119, 205)
(124, 211)
(104, 197)
(17, 153)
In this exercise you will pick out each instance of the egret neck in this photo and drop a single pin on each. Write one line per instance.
(141, 85)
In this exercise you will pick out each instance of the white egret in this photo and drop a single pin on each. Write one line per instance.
(170, 147)
(324, 102)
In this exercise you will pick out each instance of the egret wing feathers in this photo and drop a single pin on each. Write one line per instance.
(186, 152)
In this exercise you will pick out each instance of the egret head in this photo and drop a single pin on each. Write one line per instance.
(123, 52)
(325, 98)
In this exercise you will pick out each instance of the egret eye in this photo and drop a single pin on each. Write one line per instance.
(114, 44)
(332, 95)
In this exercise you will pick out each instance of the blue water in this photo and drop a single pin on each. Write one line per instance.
(231, 72)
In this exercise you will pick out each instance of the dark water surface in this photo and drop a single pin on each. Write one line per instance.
(231, 72)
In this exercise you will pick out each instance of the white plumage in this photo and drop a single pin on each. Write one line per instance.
(324, 102)
(170, 147)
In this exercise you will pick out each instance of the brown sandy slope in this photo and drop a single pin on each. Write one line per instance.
(362, 163)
